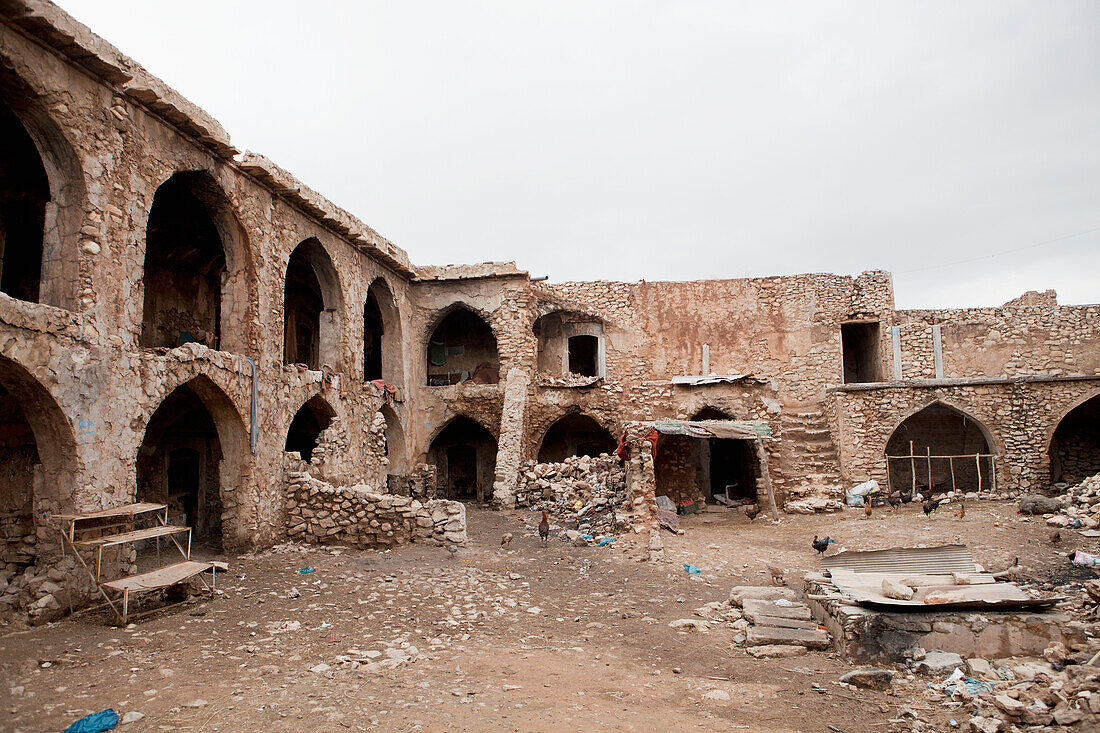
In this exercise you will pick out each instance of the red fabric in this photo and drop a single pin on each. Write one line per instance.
(623, 451)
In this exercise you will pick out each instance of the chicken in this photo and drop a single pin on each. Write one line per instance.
(1055, 537)
(931, 505)
(506, 540)
(961, 511)
(453, 550)
(822, 545)
(867, 507)
(544, 529)
(1012, 571)
(752, 511)
(893, 502)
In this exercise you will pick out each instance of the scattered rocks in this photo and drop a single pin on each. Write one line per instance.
(937, 663)
(717, 696)
(869, 678)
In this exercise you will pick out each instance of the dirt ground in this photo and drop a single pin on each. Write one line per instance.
(532, 639)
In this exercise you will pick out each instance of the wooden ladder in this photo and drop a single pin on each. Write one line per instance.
(77, 534)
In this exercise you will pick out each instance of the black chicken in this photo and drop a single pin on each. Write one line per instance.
(893, 501)
(821, 545)
(932, 505)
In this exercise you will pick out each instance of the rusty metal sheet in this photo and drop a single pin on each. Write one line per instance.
(941, 560)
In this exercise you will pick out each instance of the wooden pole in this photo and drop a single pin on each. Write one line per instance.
(929, 470)
(993, 475)
(978, 464)
(889, 481)
(762, 457)
(913, 467)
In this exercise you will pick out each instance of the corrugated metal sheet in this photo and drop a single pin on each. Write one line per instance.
(866, 590)
(941, 560)
(735, 429)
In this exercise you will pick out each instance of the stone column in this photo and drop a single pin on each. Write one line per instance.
(510, 444)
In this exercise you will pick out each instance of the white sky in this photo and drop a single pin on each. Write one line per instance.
(672, 140)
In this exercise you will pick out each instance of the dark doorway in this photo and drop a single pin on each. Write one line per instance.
(944, 449)
(462, 348)
(19, 462)
(584, 355)
(732, 469)
(860, 343)
(312, 418)
(184, 267)
(1075, 447)
(24, 193)
(178, 464)
(574, 435)
(373, 330)
(465, 455)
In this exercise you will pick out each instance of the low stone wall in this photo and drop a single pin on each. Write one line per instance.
(321, 513)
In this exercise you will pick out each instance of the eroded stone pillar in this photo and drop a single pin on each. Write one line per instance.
(510, 444)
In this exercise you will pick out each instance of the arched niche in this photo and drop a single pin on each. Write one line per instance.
(464, 454)
(1075, 445)
(41, 201)
(940, 448)
(312, 418)
(395, 443)
(312, 307)
(570, 343)
(462, 348)
(193, 457)
(382, 343)
(196, 278)
(574, 434)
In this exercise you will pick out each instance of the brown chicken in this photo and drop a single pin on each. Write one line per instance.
(506, 540)
(544, 529)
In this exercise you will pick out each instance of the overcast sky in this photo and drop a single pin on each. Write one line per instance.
(956, 144)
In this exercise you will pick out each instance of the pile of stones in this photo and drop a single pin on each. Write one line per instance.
(586, 494)
(42, 593)
(1077, 508)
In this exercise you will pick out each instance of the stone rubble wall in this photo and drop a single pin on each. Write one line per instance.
(320, 513)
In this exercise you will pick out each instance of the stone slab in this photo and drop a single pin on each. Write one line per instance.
(809, 638)
(786, 623)
(741, 593)
(755, 608)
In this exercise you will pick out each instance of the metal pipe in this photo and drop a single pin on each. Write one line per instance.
(540, 278)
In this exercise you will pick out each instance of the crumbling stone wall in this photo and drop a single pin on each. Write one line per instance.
(320, 513)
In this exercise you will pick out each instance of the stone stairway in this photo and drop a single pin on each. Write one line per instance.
(780, 624)
(811, 465)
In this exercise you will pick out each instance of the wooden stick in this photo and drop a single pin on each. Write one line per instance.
(978, 464)
(951, 465)
(913, 467)
(929, 470)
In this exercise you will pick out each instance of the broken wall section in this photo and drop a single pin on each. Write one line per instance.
(320, 513)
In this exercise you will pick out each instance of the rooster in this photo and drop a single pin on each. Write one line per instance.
(822, 545)
(894, 502)
(544, 529)
(932, 505)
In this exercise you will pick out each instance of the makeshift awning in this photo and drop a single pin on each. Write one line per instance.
(726, 429)
(702, 379)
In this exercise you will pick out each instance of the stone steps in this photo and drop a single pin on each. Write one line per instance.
(777, 620)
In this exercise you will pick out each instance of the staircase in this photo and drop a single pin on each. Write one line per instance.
(811, 465)
(92, 532)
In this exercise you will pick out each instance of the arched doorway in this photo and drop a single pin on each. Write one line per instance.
(312, 418)
(394, 434)
(724, 468)
(939, 449)
(312, 306)
(38, 466)
(465, 456)
(194, 269)
(462, 348)
(574, 435)
(183, 461)
(1075, 445)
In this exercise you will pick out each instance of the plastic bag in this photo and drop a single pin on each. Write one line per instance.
(95, 723)
(854, 496)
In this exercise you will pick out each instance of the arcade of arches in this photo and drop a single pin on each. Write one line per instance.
(950, 448)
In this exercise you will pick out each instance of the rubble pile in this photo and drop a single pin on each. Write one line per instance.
(585, 494)
(1080, 508)
(41, 593)
(321, 513)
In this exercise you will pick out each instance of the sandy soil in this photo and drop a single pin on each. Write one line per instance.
(532, 639)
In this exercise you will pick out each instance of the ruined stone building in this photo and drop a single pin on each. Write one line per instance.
(187, 323)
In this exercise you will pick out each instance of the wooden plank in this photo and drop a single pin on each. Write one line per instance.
(159, 578)
(127, 510)
(134, 536)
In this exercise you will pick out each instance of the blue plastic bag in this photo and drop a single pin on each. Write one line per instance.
(306, 570)
(605, 541)
(95, 723)
(692, 569)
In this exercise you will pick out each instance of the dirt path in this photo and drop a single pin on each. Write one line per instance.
(555, 638)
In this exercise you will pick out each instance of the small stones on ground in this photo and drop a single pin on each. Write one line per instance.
(132, 717)
(717, 695)
(689, 624)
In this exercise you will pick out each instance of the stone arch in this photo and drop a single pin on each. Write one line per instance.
(574, 434)
(395, 442)
(461, 347)
(311, 419)
(194, 456)
(1073, 446)
(464, 453)
(382, 341)
(38, 464)
(570, 342)
(197, 277)
(940, 429)
(712, 412)
(42, 198)
(313, 307)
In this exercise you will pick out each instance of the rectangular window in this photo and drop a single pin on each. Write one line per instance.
(860, 343)
(583, 355)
